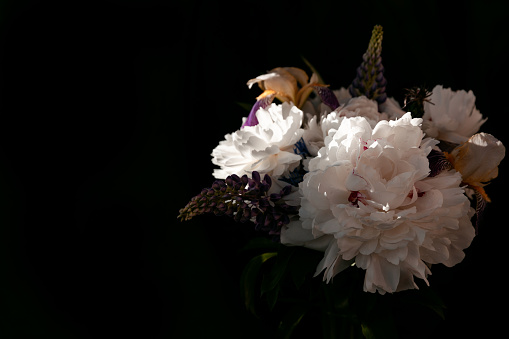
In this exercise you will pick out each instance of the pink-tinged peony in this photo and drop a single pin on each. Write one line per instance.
(368, 199)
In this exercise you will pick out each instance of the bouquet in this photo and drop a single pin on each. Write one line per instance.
(357, 196)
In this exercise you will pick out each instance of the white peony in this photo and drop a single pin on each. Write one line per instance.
(317, 129)
(368, 200)
(451, 115)
(266, 147)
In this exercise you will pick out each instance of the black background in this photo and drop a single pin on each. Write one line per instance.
(109, 111)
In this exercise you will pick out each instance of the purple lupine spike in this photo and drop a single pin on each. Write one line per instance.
(327, 96)
(243, 199)
(369, 80)
(262, 101)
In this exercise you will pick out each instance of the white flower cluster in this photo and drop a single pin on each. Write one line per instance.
(367, 193)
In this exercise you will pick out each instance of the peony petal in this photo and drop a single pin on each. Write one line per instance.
(295, 235)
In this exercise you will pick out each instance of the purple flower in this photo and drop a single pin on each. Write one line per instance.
(244, 199)
(370, 80)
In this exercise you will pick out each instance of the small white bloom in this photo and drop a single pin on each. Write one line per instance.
(266, 147)
(317, 129)
(369, 198)
(451, 116)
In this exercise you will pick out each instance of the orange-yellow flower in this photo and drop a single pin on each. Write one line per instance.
(288, 84)
(477, 160)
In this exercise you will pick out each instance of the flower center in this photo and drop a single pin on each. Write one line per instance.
(354, 198)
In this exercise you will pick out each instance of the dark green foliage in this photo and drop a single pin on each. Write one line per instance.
(279, 286)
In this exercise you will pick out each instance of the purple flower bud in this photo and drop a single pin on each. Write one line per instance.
(268, 220)
(286, 190)
(360, 72)
(254, 212)
(275, 197)
(262, 101)
(381, 98)
(230, 211)
(267, 180)
(263, 202)
(277, 215)
(244, 179)
(237, 217)
(260, 219)
(327, 96)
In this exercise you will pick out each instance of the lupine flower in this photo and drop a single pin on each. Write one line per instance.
(370, 80)
(243, 199)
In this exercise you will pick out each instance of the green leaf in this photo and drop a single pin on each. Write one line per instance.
(272, 280)
(271, 283)
(367, 331)
(303, 264)
(290, 322)
(249, 278)
(313, 69)
(272, 296)
(380, 323)
(427, 297)
(245, 105)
